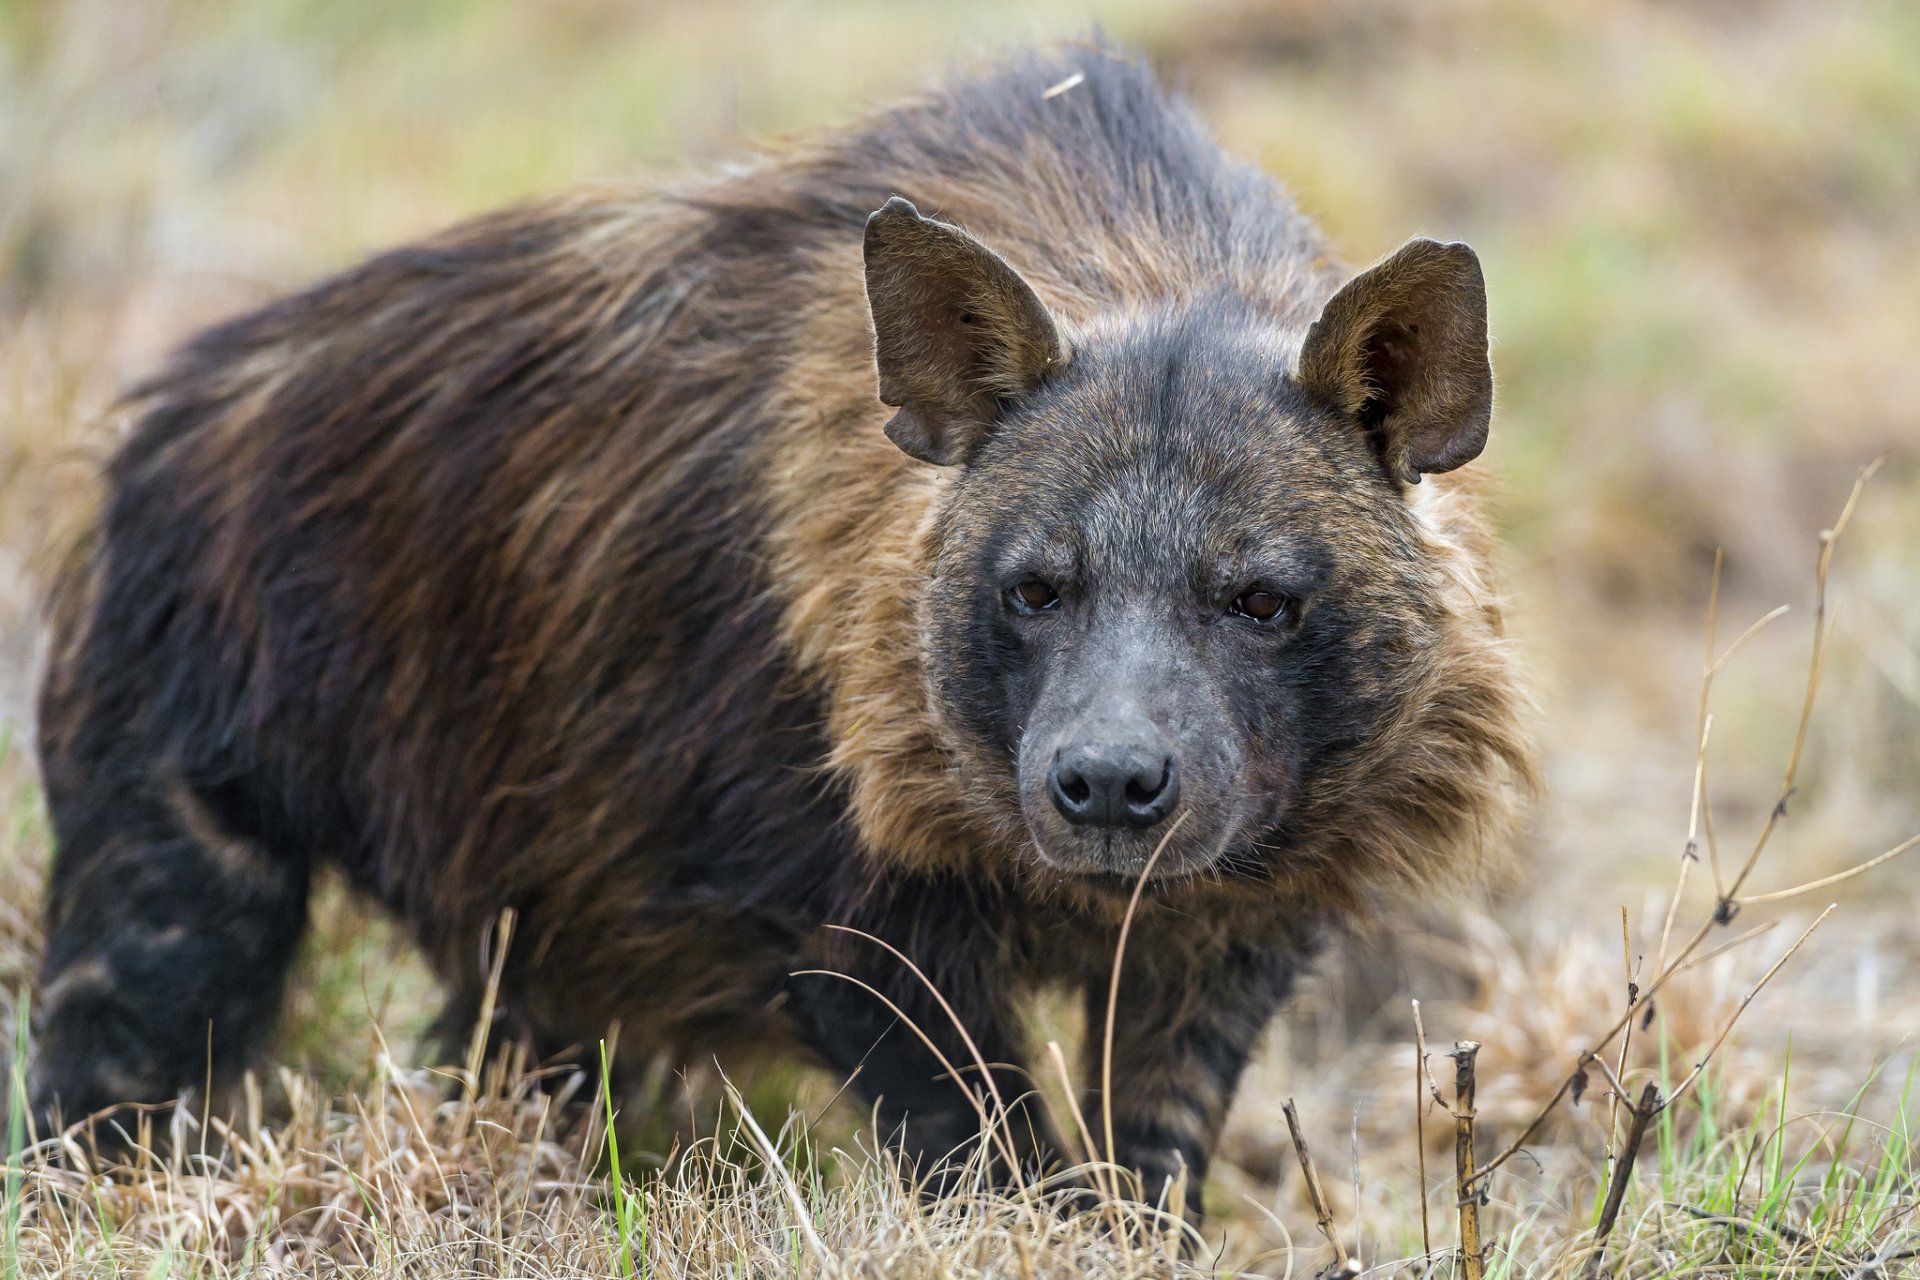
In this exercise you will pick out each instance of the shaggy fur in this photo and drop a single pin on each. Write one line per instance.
(567, 562)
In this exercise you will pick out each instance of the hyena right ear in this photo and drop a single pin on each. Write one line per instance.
(956, 331)
(1402, 348)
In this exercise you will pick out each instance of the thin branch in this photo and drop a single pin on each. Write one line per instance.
(1420, 1079)
(1758, 931)
(1822, 632)
(1727, 1029)
(1626, 1041)
(1779, 895)
(1752, 1229)
(1779, 611)
(1749, 1227)
(1698, 808)
(1472, 1262)
(1706, 822)
(1704, 722)
(1891, 1251)
(1322, 1211)
(1420, 1038)
(1643, 1113)
(1592, 1053)
(1729, 901)
(1614, 1084)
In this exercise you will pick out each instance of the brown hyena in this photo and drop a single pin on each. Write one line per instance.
(578, 562)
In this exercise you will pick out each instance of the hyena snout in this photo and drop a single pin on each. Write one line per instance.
(1114, 784)
(1146, 774)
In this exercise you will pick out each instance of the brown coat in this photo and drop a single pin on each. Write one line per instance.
(562, 562)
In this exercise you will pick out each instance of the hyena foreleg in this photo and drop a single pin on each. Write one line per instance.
(170, 928)
(1181, 1038)
(878, 1024)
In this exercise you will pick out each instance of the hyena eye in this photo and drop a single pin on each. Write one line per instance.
(1265, 606)
(1032, 596)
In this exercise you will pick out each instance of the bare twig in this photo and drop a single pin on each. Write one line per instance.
(1322, 1211)
(1472, 1263)
(1703, 723)
(1822, 631)
(1758, 931)
(1727, 1029)
(1892, 1251)
(1614, 1097)
(1644, 1111)
(1780, 895)
(1728, 900)
(1614, 1084)
(1691, 854)
(1700, 817)
(1778, 611)
(1420, 1078)
(1798, 1241)
(1420, 1038)
(1592, 1053)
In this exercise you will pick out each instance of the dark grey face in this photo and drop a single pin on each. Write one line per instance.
(1132, 608)
(1177, 572)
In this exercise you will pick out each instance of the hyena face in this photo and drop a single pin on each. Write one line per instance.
(1131, 608)
(1177, 571)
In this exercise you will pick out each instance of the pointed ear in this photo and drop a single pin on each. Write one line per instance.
(1402, 349)
(956, 331)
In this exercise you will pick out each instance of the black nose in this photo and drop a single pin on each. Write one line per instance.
(1104, 786)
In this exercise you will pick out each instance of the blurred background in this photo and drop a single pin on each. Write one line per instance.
(1700, 221)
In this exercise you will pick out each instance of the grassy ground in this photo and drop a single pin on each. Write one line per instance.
(1701, 225)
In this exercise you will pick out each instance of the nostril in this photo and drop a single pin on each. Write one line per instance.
(1152, 796)
(1144, 788)
(1071, 792)
(1108, 786)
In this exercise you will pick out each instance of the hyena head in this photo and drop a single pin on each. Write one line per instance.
(1178, 575)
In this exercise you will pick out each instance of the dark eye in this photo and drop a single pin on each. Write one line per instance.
(1264, 606)
(1032, 596)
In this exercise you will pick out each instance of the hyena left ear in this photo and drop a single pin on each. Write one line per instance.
(956, 331)
(1402, 348)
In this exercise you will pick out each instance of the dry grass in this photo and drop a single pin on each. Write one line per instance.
(401, 1179)
(444, 1172)
(1701, 224)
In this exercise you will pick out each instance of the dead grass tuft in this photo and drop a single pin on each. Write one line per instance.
(401, 1178)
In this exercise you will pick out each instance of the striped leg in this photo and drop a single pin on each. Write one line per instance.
(1181, 1039)
(853, 1025)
